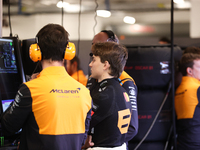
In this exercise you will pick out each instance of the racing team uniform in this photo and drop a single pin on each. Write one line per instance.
(112, 114)
(129, 85)
(188, 114)
(80, 77)
(53, 110)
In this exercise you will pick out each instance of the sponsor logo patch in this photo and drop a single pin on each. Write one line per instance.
(65, 91)
(126, 97)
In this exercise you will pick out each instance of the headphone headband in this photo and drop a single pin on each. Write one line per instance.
(36, 54)
(111, 36)
(109, 33)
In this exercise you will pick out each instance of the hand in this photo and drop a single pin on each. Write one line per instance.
(88, 142)
(33, 76)
(18, 146)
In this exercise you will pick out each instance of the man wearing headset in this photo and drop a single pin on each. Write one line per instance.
(53, 110)
(126, 81)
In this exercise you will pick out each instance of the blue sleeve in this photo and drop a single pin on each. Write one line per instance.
(14, 117)
(198, 95)
(87, 125)
(131, 90)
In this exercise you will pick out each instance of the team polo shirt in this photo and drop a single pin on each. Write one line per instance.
(129, 85)
(131, 89)
(53, 110)
(188, 114)
(112, 114)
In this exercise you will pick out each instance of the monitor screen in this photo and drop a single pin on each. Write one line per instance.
(7, 57)
(6, 104)
(11, 70)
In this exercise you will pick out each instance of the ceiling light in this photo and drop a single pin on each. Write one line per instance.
(185, 5)
(129, 20)
(179, 1)
(61, 4)
(74, 8)
(103, 13)
(45, 2)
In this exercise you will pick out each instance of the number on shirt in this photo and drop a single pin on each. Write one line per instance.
(124, 117)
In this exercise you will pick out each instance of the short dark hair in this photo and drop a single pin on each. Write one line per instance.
(187, 60)
(115, 54)
(165, 39)
(192, 49)
(52, 40)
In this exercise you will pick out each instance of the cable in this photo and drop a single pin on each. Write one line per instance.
(9, 18)
(168, 138)
(79, 26)
(95, 17)
(161, 106)
(173, 70)
(29, 77)
(36, 67)
(62, 14)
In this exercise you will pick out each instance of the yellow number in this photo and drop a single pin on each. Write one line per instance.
(124, 121)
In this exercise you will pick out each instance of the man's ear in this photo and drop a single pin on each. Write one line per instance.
(106, 65)
(189, 71)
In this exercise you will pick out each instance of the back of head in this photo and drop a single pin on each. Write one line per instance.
(187, 60)
(164, 40)
(114, 53)
(52, 40)
(193, 49)
(105, 36)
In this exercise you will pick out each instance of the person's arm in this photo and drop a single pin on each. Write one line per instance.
(131, 90)
(15, 116)
(88, 142)
(91, 83)
(102, 106)
(87, 124)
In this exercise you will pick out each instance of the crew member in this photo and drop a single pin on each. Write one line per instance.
(111, 105)
(53, 110)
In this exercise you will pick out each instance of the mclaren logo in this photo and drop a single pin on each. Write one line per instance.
(65, 91)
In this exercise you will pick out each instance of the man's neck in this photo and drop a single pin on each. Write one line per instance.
(50, 63)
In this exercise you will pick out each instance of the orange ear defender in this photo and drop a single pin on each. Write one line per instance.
(36, 55)
(70, 51)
